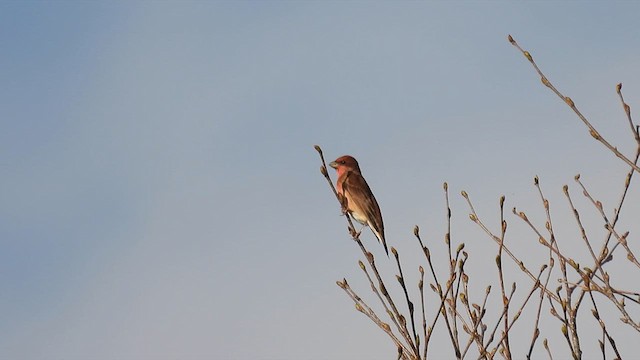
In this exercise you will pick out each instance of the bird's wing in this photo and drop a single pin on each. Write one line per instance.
(359, 193)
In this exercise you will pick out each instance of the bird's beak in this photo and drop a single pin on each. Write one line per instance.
(333, 164)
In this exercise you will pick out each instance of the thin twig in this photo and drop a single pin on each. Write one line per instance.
(592, 130)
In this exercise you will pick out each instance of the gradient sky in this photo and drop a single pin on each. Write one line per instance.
(161, 198)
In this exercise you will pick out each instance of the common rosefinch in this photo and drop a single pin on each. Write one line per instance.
(356, 196)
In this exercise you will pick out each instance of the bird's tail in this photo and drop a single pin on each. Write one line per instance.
(380, 236)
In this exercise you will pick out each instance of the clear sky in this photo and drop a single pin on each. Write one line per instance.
(160, 195)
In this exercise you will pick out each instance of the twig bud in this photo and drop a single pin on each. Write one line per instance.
(463, 298)
(464, 194)
(545, 82)
(416, 231)
(574, 264)
(594, 134)
(618, 88)
(536, 180)
(473, 217)
(361, 264)
(569, 101)
(318, 149)
(370, 257)
(542, 268)
(445, 186)
(528, 56)
(513, 42)
(394, 252)
(323, 170)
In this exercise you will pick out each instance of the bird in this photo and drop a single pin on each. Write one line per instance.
(356, 197)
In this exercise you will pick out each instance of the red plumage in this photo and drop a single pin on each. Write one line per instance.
(357, 198)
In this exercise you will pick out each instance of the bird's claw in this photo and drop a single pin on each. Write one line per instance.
(355, 234)
(343, 203)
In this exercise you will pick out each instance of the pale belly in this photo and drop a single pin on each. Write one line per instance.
(359, 218)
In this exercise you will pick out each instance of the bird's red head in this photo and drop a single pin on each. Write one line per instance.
(345, 163)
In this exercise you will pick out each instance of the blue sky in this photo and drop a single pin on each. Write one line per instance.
(161, 196)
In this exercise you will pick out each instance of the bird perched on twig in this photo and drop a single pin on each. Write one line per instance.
(356, 196)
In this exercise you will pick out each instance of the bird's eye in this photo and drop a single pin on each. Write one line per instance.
(342, 162)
